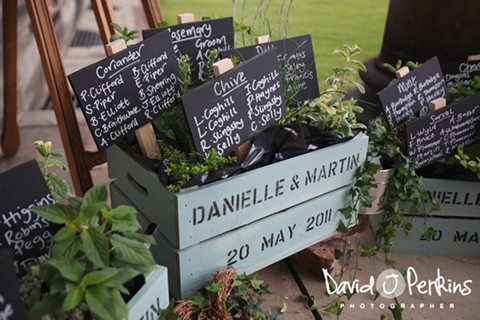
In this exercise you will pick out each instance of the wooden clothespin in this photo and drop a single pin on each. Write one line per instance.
(145, 135)
(402, 72)
(219, 68)
(185, 18)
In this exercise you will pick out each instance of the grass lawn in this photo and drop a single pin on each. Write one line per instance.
(331, 23)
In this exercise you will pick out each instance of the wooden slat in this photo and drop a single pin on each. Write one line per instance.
(61, 97)
(153, 12)
(10, 134)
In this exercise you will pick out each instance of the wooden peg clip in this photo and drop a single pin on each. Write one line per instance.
(185, 18)
(262, 39)
(402, 72)
(145, 135)
(437, 104)
(219, 68)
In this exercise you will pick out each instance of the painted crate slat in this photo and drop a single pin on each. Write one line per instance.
(251, 247)
(457, 198)
(153, 296)
(454, 236)
(194, 215)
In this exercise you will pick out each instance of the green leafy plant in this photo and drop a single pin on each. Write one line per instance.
(335, 110)
(50, 159)
(96, 251)
(227, 296)
(123, 33)
(468, 163)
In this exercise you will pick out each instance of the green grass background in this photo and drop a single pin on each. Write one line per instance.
(332, 23)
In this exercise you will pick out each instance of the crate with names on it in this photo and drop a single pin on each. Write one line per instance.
(250, 247)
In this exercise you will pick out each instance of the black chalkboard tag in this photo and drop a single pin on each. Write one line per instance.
(296, 60)
(461, 71)
(125, 91)
(11, 306)
(412, 93)
(439, 133)
(197, 39)
(225, 112)
(26, 234)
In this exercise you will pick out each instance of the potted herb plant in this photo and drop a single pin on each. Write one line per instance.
(95, 255)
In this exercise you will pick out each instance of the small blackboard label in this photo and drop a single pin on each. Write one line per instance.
(297, 62)
(121, 93)
(437, 134)
(197, 39)
(414, 92)
(225, 112)
(460, 72)
(26, 234)
(11, 307)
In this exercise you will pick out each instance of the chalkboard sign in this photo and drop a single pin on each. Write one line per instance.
(225, 112)
(412, 93)
(297, 62)
(123, 92)
(460, 72)
(437, 134)
(26, 234)
(197, 39)
(11, 307)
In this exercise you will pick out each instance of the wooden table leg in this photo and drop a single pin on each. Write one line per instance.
(10, 134)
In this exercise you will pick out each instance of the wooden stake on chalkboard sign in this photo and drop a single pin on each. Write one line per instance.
(185, 18)
(219, 68)
(145, 135)
(473, 57)
(437, 104)
(262, 39)
(402, 72)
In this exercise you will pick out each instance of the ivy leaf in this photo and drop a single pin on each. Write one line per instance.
(96, 247)
(70, 269)
(428, 233)
(213, 287)
(56, 213)
(72, 299)
(338, 254)
(396, 312)
(341, 228)
(106, 304)
(256, 284)
(131, 251)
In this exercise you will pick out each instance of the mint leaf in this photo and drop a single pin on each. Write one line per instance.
(96, 247)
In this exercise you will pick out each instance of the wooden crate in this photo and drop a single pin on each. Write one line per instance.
(188, 217)
(153, 296)
(250, 247)
(456, 224)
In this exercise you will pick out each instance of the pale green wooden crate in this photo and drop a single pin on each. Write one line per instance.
(151, 297)
(238, 200)
(454, 236)
(279, 235)
(457, 198)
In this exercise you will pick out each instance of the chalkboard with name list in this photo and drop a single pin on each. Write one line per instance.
(297, 62)
(225, 112)
(460, 72)
(439, 133)
(25, 233)
(413, 93)
(11, 306)
(197, 39)
(125, 91)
